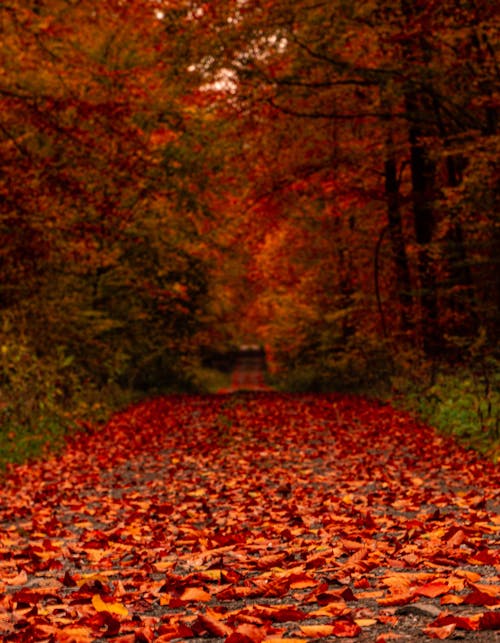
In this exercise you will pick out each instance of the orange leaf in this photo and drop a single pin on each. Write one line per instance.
(396, 599)
(317, 631)
(493, 590)
(432, 590)
(253, 632)
(19, 579)
(195, 594)
(112, 608)
(74, 635)
(452, 599)
(365, 622)
(213, 625)
(346, 628)
(442, 632)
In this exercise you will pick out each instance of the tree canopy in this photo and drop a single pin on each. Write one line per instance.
(319, 177)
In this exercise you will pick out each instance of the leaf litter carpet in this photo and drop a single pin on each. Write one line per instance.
(252, 517)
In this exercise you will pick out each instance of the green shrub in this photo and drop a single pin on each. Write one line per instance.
(42, 399)
(357, 367)
(464, 402)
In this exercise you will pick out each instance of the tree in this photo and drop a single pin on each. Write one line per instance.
(387, 98)
(101, 205)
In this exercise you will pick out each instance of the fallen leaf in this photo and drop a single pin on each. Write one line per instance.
(317, 631)
(195, 594)
(113, 608)
(442, 632)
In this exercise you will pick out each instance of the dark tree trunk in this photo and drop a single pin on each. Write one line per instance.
(396, 236)
(423, 178)
(421, 118)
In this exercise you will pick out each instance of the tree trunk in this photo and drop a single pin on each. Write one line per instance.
(421, 119)
(396, 236)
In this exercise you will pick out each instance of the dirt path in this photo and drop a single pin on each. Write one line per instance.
(252, 517)
(248, 374)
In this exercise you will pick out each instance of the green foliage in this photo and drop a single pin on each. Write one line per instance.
(44, 397)
(211, 380)
(33, 416)
(358, 366)
(464, 402)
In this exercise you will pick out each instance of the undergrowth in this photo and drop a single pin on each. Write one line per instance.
(462, 401)
(42, 401)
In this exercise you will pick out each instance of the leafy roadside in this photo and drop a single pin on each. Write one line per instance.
(462, 401)
(464, 404)
(45, 400)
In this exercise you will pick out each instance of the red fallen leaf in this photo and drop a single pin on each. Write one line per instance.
(177, 631)
(242, 617)
(101, 620)
(324, 598)
(27, 597)
(237, 637)
(489, 621)
(451, 599)
(254, 633)
(456, 539)
(277, 588)
(484, 557)
(432, 590)
(73, 634)
(480, 598)
(68, 580)
(442, 632)
(280, 613)
(345, 627)
(164, 509)
(232, 593)
(493, 590)
(358, 556)
(315, 562)
(462, 622)
(387, 619)
(302, 581)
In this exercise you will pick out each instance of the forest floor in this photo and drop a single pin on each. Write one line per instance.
(248, 517)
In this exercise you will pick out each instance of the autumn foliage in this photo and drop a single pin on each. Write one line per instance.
(249, 518)
(319, 178)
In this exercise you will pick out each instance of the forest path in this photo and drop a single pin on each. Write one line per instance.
(249, 373)
(252, 517)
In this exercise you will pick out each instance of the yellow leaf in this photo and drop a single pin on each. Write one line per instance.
(112, 608)
(197, 493)
(212, 574)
